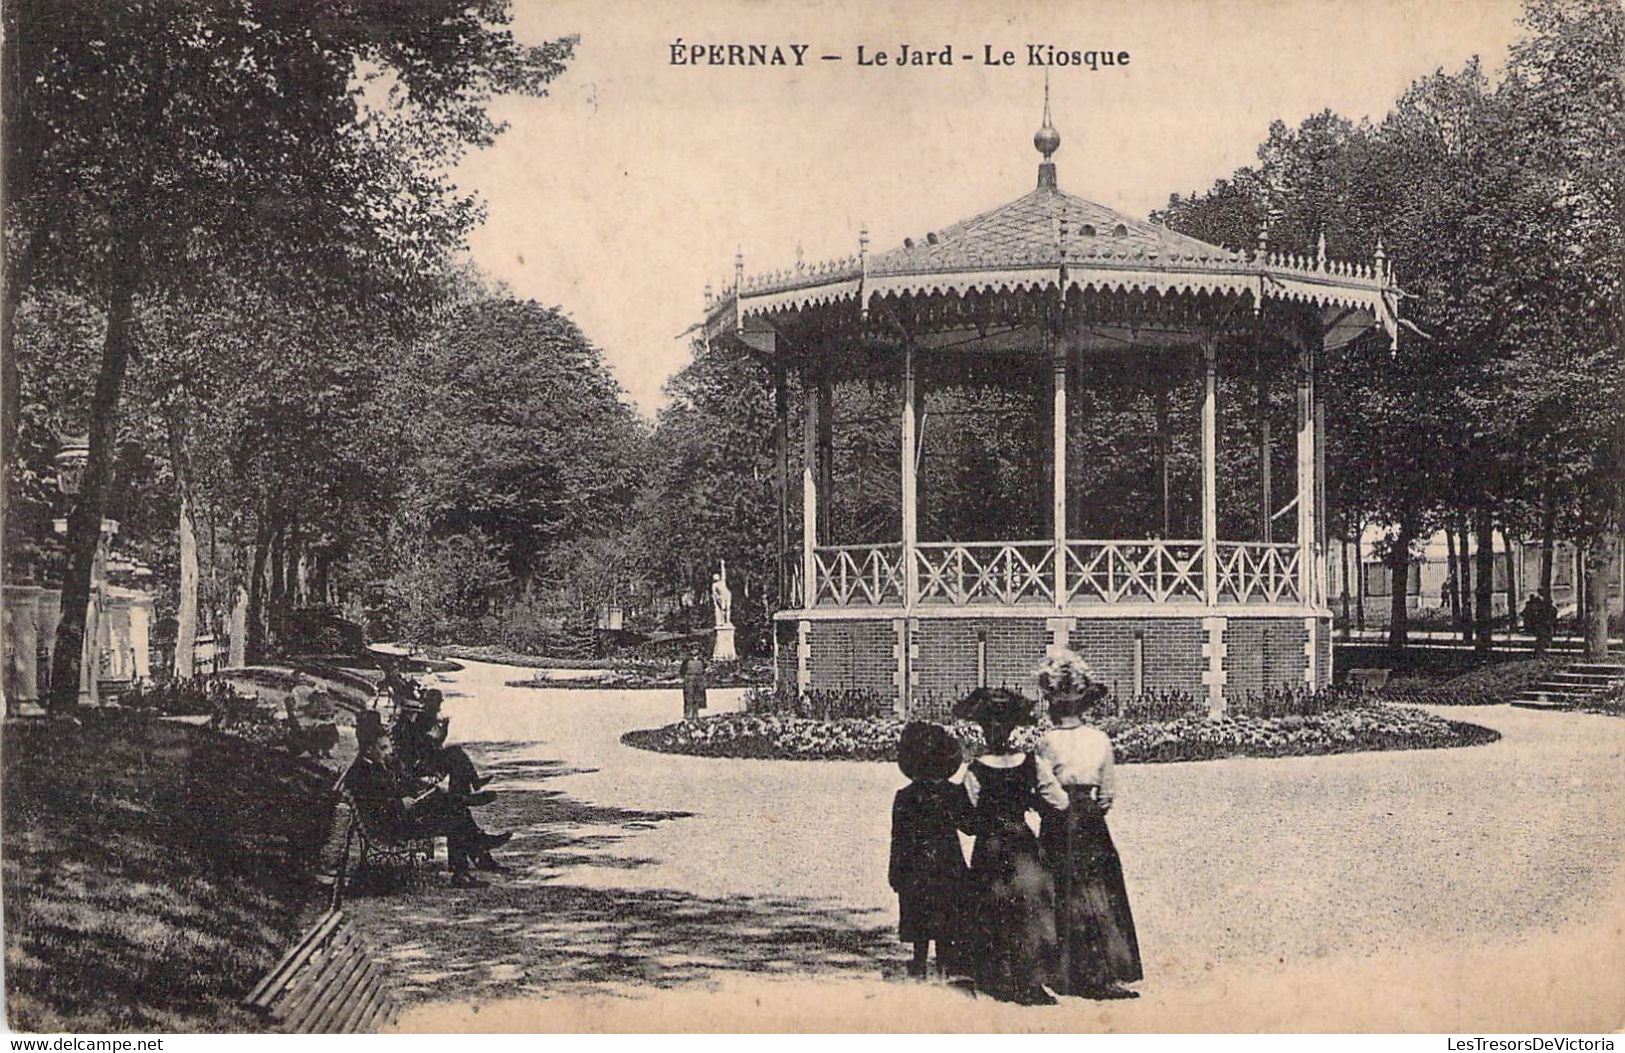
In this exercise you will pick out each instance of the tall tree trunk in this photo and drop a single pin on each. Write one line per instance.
(1548, 543)
(186, 619)
(1345, 579)
(1359, 575)
(276, 595)
(237, 655)
(1399, 575)
(1599, 566)
(1484, 586)
(1512, 582)
(186, 606)
(1464, 580)
(85, 521)
(256, 643)
(1454, 578)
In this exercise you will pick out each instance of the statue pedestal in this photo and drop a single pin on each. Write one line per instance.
(723, 649)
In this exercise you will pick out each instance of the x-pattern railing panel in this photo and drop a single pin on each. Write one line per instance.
(1257, 572)
(1134, 571)
(986, 572)
(859, 575)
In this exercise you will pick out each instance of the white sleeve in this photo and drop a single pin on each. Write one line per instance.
(973, 789)
(1108, 779)
(1049, 788)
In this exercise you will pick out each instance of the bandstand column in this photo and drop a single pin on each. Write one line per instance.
(809, 500)
(1306, 478)
(1210, 498)
(910, 499)
(1321, 547)
(826, 450)
(1058, 483)
(781, 472)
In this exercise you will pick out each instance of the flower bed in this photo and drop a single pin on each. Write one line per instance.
(787, 737)
(643, 676)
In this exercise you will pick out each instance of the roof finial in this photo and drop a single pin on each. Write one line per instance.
(1047, 141)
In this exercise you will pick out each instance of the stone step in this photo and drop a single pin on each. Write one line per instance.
(1608, 668)
(1540, 693)
(1584, 679)
(1538, 703)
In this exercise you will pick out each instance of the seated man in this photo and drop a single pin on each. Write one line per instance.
(310, 723)
(372, 782)
(419, 737)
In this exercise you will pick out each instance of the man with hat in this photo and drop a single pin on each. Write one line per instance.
(374, 786)
(419, 737)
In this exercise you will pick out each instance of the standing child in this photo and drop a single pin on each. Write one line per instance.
(928, 869)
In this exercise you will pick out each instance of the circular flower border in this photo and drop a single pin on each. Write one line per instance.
(781, 737)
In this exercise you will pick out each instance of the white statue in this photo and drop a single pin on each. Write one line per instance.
(721, 598)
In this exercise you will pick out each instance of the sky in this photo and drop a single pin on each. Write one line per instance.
(635, 181)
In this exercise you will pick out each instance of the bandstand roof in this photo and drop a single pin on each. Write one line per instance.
(1050, 239)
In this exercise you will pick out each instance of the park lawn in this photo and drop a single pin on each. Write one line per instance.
(153, 871)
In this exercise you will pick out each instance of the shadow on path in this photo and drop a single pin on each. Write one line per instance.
(528, 934)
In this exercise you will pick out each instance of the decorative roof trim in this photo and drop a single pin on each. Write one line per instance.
(1302, 280)
(753, 305)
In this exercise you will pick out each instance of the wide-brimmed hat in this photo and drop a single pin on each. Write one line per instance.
(996, 705)
(928, 751)
(1065, 677)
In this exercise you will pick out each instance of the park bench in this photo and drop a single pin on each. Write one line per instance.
(377, 847)
(327, 984)
(1368, 680)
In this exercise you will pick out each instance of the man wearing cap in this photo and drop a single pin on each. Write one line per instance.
(373, 784)
(420, 742)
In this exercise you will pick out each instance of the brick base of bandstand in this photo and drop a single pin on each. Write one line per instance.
(925, 662)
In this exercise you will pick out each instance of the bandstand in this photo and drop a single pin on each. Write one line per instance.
(1039, 288)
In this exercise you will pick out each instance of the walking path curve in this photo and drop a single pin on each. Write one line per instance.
(1433, 890)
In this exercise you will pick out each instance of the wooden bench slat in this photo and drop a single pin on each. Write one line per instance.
(325, 1017)
(311, 983)
(340, 986)
(266, 991)
(329, 1020)
(361, 1002)
(382, 1012)
(318, 989)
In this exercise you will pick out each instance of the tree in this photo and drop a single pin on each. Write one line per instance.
(1566, 91)
(520, 432)
(149, 142)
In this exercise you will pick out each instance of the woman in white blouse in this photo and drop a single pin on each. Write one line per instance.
(1095, 940)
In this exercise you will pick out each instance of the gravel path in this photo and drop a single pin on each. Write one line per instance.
(1430, 890)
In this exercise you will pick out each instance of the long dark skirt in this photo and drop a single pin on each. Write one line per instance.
(1013, 905)
(1095, 943)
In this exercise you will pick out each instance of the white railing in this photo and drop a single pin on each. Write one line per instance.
(1257, 572)
(859, 575)
(1011, 573)
(969, 573)
(1134, 572)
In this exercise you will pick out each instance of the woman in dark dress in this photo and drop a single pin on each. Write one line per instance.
(927, 866)
(1096, 947)
(1012, 907)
